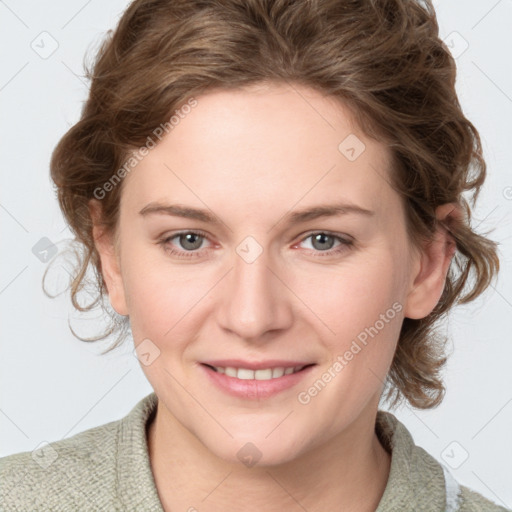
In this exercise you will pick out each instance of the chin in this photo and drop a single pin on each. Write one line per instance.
(255, 451)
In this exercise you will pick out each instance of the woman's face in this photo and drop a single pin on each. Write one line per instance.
(220, 264)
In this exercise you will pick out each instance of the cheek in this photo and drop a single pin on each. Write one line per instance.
(360, 308)
(353, 296)
(166, 302)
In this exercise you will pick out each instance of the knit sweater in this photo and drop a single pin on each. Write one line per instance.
(107, 468)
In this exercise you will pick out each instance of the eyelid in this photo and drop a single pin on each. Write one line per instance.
(342, 236)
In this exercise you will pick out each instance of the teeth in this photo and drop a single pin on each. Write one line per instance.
(230, 372)
(244, 374)
(263, 374)
(277, 372)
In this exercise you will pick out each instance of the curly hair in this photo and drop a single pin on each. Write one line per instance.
(382, 58)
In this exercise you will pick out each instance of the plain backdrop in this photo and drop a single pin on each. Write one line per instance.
(53, 385)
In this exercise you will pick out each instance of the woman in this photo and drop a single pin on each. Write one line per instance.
(222, 145)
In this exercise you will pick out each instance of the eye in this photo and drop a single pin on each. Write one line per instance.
(189, 243)
(323, 242)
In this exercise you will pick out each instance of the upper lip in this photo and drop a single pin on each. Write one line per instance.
(255, 365)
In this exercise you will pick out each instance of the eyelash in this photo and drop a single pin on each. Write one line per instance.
(345, 244)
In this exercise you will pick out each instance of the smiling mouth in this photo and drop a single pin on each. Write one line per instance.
(261, 374)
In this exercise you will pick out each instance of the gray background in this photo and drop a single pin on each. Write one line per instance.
(53, 386)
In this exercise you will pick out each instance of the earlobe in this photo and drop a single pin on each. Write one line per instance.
(429, 277)
(110, 267)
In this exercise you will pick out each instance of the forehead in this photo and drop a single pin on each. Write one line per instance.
(274, 145)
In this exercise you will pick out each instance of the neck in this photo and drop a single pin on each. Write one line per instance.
(349, 473)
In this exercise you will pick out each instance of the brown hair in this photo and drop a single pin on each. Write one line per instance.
(382, 58)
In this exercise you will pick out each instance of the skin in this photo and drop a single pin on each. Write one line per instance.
(250, 157)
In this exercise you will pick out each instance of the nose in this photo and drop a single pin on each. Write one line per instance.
(254, 299)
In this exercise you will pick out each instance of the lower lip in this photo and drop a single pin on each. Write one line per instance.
(255, 389)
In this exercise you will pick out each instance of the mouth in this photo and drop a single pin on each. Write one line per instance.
(270, 373)
(265, 381)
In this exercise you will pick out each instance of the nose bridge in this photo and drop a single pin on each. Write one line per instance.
(255, 301)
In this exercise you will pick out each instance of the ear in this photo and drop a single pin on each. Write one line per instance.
(432, 265)
(110, 266)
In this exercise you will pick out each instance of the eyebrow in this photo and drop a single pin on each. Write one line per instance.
(294, 217)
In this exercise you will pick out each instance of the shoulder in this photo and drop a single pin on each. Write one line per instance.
(472, 501)
(417, 480)
(103, 468)
(76, 471)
